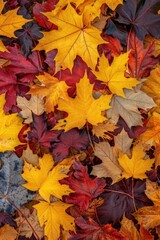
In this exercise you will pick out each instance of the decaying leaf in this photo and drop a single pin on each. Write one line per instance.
(34, 105)
(8, 232)
(109, 166)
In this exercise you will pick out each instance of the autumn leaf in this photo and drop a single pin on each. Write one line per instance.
(83, 108)
(34, 105)
(109, 166)
(51, 88)
(113, 75)
(9, 128)
(128, 107)
(102, 130)
(136, 166)
(123, 142)
(2, 47)
(10, 21)
(35, 176)
(76, 37)
(45, 179)
(52, 216)
(152, 134)
(8, 232)
(153, 192)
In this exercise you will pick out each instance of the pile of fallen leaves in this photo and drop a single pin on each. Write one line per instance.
(79, 119)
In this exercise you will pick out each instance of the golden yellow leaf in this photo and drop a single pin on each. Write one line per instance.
(113, 75)
(152, 85)
(10, 126)
(46, 180)
(157, 156)
(8, 233)
(51, 88)
(34, 105)
(148, 216)
(152, 133)
(102, 129)
(129, 230)
(153, 192)
(52, 216)
(74, 35)
(83, 108)
(135, 166)
(52, 186)
(35, 176)
(10, 21)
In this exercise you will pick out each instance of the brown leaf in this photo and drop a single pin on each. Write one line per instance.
(123, 142)
(8, 233)
(102, 130)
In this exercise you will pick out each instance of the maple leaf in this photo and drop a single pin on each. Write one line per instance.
(2, 47)
(8, 232)
(109, 166)
(53, 216)
(152, 86)
(85, 188)
(72, 138)
(45, 180)
(123, 142)
(129, 230)
(35, 105)
(24, 227)
(35, 176)
(113, 75)
(76, 37)
(120, 198)
(135, 166)
(128, 107)
(141, 60)
(152, 134)
(92, 230)
(52, 88)
(83, 108)
(102, 130)
(40, 137)
(10, 21)
(149, 40)
(138, 15)
(9, 128)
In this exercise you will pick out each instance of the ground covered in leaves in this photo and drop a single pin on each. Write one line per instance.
(79, 120)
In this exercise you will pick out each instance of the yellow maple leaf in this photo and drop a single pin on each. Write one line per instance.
(135, 166)
(10, 126)
(74, 35)
(46, 180)
(10, 21)
(113, 75)
(35, 176)
(150, 216)
(152, 133)
(53, 216)
(51, 88)
(83, 108)
(152, 85)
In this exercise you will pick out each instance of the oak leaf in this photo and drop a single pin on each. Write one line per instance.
(8, 232)
(128, 108)
(52, 216)
(34, 105)
(136, 166)
(9, 128)
(113, 75)
(51, 88)
(76, 37)
(83, 108)
(10, 21)
(109, 166)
